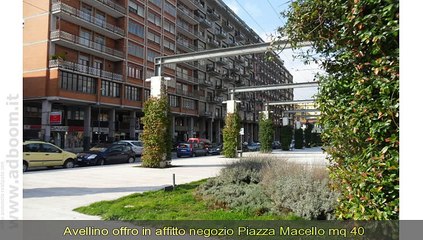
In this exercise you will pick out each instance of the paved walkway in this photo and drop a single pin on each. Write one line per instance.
(53, 194)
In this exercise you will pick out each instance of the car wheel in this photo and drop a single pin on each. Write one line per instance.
(69, 164)
(131, 160)
(25, 166)
(194, 155)
(101, 162)
(178, 156)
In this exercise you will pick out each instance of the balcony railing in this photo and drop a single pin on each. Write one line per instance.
(205, 23)
(113, 5)
(85, 43)
(58, 6)
(205, 83)
(187, 93)
(212, 71)
(228, 27)
(206, 113)
(213, 16)
(187, 45)
(213, 43)
(79, 68)
(221, 35)
(187, 29)
(185, 12)
(187, 78)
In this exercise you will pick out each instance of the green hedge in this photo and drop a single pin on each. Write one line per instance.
(265, 134)
(286, 137)
(230, 134)
(299, 138)
(156, 134)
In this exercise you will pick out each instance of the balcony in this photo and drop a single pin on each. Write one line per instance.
(222, 61)
(221, 35)
(186, 78)
(186, 46)
(206, 114)
(239, 37)
(213, 15)
(186, 30)
(205, 83)
(212, 71)
(239, 59)
(228, 78)
(211, 43)
(205, 23)
(82, 44)
(187, 15)
(108, 6)
(228, 27)
(78, 17)
(185, 93)
(82, 69)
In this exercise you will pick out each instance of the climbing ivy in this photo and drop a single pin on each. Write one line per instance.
(357, 43)
(156, 135)
(230, 134)
(265, 134)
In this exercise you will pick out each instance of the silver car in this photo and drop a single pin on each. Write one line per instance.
(136, 146)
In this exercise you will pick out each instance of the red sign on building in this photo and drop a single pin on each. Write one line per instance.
(55, 118)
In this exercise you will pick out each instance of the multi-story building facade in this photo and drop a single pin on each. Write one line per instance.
(86, 63)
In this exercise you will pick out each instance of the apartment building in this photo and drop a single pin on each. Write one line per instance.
(86, 63)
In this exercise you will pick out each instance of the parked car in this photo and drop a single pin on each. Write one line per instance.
(191, 150)
(276, 145)
(105, 154)
(253, 147)
(44, 154)
(214, 149)
(134, 144)
(204, 141)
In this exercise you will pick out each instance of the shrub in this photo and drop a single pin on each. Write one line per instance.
(307, 135)
(299, 138)
(265, 134)
(230, 134)
(237, 187)
(301, 189)
(286, 137)
(271, 186)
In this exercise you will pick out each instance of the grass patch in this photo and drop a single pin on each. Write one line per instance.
(181, 204)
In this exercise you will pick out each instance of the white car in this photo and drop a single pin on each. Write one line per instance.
(135, 145)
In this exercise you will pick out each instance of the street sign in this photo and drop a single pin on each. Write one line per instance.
(56, 118)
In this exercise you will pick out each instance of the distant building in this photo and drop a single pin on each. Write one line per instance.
(87, 62)
(308, 115)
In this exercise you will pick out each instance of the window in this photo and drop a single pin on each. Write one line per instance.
(78, 83)
(169, 45)
(154, 18)
(151, 55)
(135, 8)
(169, 27)
(189, 104)
(150, 73)
(132, 93)
(134, 72)
(169, 8)
(49, 148)
(110, 89)
(32, 147)
(135, 50)
(146, 94)
(156, 2)
(173, 101)
(136, 29)
(154, 37)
